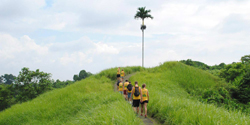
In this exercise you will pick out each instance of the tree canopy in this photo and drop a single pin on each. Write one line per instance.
(142, 13)
(7, 79)
(82, 75)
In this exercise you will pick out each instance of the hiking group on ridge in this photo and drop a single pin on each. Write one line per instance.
(135, 95)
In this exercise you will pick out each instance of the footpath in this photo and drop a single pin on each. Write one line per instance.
(146, 121)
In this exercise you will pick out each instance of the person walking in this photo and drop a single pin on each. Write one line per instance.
(122, 74)
(136, 92)
(121, 87)
(144, 99)
(118, 73)
(118, 82)
(125, 89)
(129, 87)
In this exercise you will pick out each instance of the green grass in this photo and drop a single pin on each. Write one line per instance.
(170, 102)
(90, 101)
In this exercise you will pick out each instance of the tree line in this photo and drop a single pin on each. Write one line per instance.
(236, 93)
(30, 84)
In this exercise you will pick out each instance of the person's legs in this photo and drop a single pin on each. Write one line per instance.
(145, 107)
(124, 94)
(134, 109)
(136, 104)
(142, 109)
(129, 96)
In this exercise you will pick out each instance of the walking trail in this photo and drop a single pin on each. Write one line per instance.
(146, 121)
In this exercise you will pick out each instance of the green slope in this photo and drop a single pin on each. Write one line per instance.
(92, 101)
(170, 102)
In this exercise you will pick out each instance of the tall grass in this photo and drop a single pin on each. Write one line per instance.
(171, 103)
(90, 101)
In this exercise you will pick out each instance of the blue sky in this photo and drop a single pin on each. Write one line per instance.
(62, 37)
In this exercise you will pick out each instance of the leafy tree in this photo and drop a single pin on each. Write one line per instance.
(82, 75)
(196, 64)
(61, 84)
(1, 80)
(76, 77)
(32, 83)
(6, 96)
(9, 78)
(231, 71)
(245, 59)
(222, 65)
(243, 93)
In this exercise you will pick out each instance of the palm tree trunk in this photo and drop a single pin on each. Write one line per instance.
(142, 21)
(142, 48)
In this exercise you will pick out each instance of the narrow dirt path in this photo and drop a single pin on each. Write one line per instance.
(146, 121)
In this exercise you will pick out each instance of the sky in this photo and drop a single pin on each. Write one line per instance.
(63, 37)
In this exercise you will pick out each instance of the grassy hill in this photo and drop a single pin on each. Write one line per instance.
(92, 100)
(169, 86)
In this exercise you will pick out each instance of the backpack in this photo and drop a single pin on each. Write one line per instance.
(137, 91)
(129, 87)
(118, 82)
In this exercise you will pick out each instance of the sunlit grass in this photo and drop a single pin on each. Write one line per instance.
(90, 101)
(170, 102)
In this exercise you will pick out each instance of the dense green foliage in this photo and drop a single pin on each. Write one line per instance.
(6, 96)
(231, 71)
(30, 84)
(174, 91)
(202, 65)
(89, 101)
(235, 92)
(82, 75)
(7, 79)
(243, 93)
(61, 84)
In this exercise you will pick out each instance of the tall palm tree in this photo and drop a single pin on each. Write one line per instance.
(142, 13)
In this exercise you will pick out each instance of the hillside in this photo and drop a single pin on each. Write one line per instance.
(169, 86)
(92, 100)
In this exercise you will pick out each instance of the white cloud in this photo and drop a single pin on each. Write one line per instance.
(11, 46)
(68, 36)
(104, 48)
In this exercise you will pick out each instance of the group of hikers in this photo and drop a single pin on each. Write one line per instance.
(134, 95)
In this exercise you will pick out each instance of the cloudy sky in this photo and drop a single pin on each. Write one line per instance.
(62, 37)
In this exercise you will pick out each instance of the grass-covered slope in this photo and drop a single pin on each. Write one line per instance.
(90, 101)
(171, 103)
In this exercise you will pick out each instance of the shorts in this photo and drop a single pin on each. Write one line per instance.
(121, 92)
(144, 102)
(122, 77)
(118, 75)
(125, 92)
(136, 103)
(129, 95)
